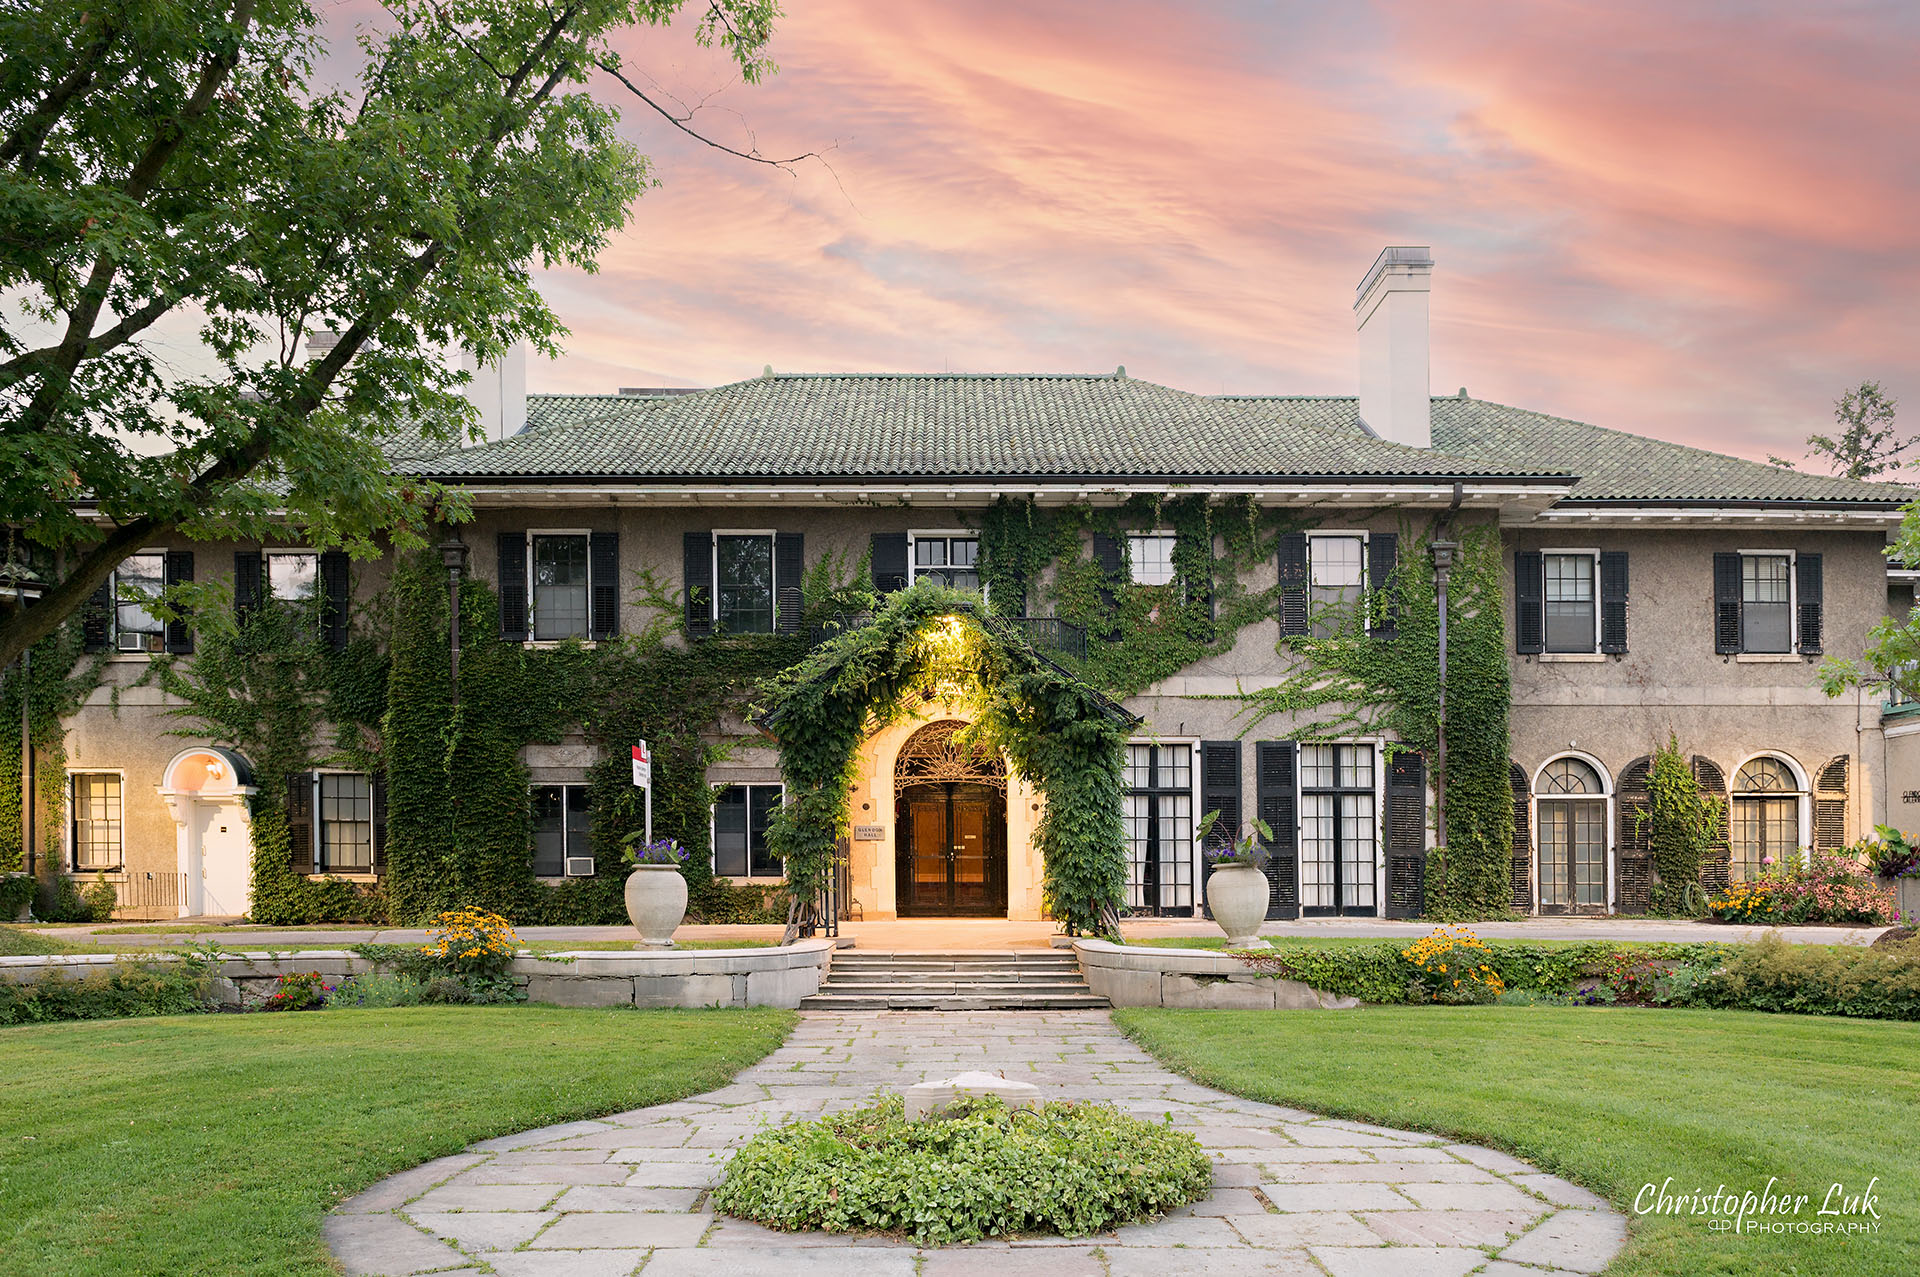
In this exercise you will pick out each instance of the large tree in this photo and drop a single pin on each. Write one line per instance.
(170, 162)
(1867, 443)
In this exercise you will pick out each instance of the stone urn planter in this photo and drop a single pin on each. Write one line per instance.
(1906, 890)
(656, 902)
(1237, 894)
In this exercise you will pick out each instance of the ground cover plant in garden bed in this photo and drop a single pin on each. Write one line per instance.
(977, 1169)
(1613, 1100)
(215, 1145)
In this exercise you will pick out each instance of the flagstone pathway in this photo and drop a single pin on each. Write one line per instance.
(1293, 1193)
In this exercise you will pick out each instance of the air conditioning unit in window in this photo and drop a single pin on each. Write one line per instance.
(579, 866)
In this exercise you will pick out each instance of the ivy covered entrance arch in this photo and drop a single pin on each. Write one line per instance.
(929, 643)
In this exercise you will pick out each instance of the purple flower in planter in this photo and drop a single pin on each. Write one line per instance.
(661, 851)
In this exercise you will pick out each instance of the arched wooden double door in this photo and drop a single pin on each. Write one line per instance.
(951, 846)
(952, 851)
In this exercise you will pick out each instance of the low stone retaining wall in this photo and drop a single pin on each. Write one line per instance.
(763, 977)
(1142, 976)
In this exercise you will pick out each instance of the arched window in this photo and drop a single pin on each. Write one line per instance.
(1768, 800)
(1572, 823)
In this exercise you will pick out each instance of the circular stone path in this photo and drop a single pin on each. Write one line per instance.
(1293, 1193)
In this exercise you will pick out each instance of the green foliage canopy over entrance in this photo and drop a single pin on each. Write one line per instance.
(931, 643)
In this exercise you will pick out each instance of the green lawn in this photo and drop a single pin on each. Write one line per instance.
(22, 942)
(1612, 1099)
(216, 1144)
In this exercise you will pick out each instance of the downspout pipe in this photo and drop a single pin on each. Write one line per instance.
(1444, 551)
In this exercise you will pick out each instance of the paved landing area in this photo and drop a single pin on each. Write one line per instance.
(1293, 1193)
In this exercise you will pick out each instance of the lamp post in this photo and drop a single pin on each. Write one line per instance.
(453, 553)
(1443, 553)
(21, 584)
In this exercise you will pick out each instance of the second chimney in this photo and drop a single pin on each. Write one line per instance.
(499, 391)
(1391, 310)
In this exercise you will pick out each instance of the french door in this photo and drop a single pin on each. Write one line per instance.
(952, 851)
(1339, 830)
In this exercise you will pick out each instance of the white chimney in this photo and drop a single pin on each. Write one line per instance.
(499, 391)
(1391, 309)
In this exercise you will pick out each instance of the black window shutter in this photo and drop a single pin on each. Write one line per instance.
(1522, 837)
(1293, 583)
(1613, 601)
(1812, 602)
(1220, 790)
(698, 550)
(249, 569)
(1108, 557)
(1406, 835)
(1529, 602)
(336, 584)
(789, 570)
(379, 785)
(1383, 561)
(300, 822)
(603, 568)
(180, 629)
(1726, 603)
(96, 618)
(1276, 803)
(889, 562)
(512, 585)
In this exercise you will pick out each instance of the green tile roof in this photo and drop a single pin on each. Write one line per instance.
(1613, 465)
(862, 427)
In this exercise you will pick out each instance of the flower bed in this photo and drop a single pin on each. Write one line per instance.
(1827, 889)
(980, 1169)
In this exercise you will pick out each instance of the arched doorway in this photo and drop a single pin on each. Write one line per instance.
(208, 791)
(1571, 826)
(951, 847)
(1769, 802)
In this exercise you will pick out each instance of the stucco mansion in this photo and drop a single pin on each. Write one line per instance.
(1650, 591)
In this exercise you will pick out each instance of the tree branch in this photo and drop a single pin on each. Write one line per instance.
(680, 122)
(23, 144)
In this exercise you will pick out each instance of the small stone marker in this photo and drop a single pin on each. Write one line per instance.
(926, 1099)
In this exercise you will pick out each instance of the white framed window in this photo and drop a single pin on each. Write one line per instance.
(1572, 818)
(1770, 816)
(743, 581)
(951, 559)
(562, 829)
(136, 583)
(1767, 618)
(293, 576)
(559, 584)
(1336, 578)
(740, 816)
(1339, 828)
(1150, 557)
(1572, 591)
(343, 822)
(98, 824)
(1159, 813)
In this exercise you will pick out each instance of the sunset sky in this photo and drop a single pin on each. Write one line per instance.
(1700, 221)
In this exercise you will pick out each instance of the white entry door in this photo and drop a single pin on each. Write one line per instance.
(226, 858)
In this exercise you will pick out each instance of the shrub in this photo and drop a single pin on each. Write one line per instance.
(127, 989)
(16, 893)
(1528, 998)
(1450, 965)
(375, 989)
(1772, 975)
(61, 901)
(979, 1170)
(1827, 889)
(1889, 854)
(297, 991)
(472, 942)
(101, 899)
(1383, 973)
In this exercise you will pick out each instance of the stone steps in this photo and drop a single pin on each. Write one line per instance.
(912, 981)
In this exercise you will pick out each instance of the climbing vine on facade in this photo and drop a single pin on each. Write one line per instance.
(61, 680)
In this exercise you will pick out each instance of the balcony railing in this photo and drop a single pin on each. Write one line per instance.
(1048, 633)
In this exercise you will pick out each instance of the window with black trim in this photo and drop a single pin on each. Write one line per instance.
(343, 834)
(740, 816)
(97, 821)
(562, 828)
(137, 582)
(1159, 818)
(293, 576)
(1339, 829)
(557, 563)
(1337, 575)
(743, 582)
(1766, 602)
(1571, 590)
(948, 559)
